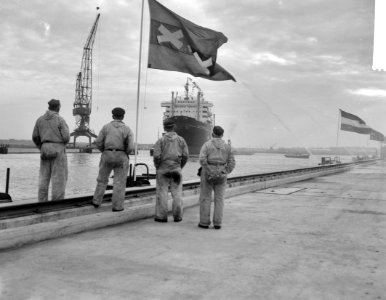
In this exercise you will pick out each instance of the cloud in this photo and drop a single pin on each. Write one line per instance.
(312, 40)
(259, 58)
(331, 59)
(46, 28)
(369, 92)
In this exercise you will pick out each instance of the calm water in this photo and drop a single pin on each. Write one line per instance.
(83, 170)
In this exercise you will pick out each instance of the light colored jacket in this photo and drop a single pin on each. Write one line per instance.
(216, 151)
(170, 153)
(115, 135)
(50, 128)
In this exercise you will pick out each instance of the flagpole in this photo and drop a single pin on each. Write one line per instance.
(337, 133)
(138, 92)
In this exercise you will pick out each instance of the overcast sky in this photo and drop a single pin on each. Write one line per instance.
(296, 63)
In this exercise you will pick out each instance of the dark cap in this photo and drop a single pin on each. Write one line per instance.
(118, 112)
(53, 104)
(168, 123)
(217, 130)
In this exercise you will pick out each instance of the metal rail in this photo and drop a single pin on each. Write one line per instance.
(19, 210)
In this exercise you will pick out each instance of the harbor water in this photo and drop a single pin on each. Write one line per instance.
(83, 170)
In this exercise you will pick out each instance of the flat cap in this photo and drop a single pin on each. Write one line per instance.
(53, 104)
(217, 130)
(169, 123)
(118, 112)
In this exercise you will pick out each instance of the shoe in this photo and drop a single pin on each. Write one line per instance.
(177, 219)
(217, 227)
(203, 226)
(94, 204)
(161, 220)
(116, 209)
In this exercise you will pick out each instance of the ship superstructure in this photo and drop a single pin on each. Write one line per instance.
(189, 105)
(192, 115)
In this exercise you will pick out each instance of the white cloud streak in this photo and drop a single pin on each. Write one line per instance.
(369, 92)
(266, 57)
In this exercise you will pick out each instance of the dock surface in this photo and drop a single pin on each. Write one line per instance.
(323, 238)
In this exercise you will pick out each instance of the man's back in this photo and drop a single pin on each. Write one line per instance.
(50, 128)
(170, 152)
(115, 135)
(217, 151)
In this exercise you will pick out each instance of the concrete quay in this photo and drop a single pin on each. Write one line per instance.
(322, 238)
(42, 225)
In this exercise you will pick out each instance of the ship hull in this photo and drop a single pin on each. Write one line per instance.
(194, 132)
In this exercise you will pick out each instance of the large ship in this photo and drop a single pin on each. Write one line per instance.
(192, 116)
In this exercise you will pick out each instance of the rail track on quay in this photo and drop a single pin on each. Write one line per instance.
(136, 193)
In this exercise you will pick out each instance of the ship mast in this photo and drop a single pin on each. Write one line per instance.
(172, 105)
(83, 89)
(199, 94)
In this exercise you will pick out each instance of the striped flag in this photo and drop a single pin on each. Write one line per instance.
(177, 44)
(350, 122)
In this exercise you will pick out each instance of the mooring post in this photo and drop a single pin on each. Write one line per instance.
(7, 181)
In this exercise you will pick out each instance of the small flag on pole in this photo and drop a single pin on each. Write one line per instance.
(177, 44)
(350, 122)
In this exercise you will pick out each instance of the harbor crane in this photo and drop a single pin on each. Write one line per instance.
(83, 90)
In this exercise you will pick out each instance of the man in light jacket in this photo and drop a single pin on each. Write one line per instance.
(170, 156)
(51, 135)
(215, 155)
(115, 141)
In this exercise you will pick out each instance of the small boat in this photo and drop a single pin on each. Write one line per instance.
(297, 155)
(326, 160)
(4, 148)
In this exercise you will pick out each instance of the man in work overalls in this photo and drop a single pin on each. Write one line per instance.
(215, 153)
(51, 135)
(170, 156)
(115, 141)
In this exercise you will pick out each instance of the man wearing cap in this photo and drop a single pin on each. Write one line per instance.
(51, 135)
(217, 160)
(115, 141)
(170, 156)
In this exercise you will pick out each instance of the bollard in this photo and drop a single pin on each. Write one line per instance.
(7, 181)
(5, 197)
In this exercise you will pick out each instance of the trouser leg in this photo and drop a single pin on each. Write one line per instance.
(219, 193)
(102, 180)
(120, 177)
(161, 206)
(59, 176)
(176, 191)
(44, 180)
(205, 201)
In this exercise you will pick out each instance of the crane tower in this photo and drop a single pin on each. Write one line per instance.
(83, 90)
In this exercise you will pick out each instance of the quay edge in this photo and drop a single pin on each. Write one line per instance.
(16, 232)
